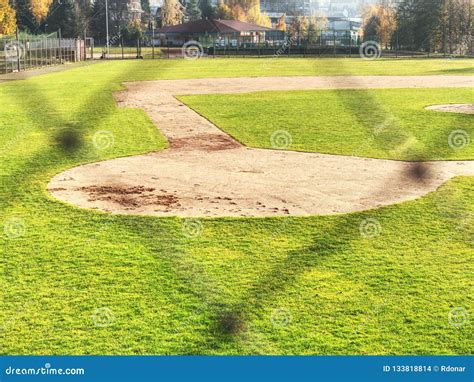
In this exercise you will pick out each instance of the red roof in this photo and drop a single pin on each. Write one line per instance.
(213, 26)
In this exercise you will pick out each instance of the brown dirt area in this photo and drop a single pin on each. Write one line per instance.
(205, 172)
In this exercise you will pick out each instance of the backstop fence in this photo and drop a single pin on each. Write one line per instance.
(23, 51)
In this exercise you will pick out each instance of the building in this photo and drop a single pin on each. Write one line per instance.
(343, 8)
(134, 10)
(276, 8)
(212, 32)
(341, 31)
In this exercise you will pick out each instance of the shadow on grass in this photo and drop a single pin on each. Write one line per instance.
(227, 321)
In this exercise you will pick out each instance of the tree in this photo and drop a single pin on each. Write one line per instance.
(64, 15)
(316, 24)
(299, 27)
(456, 26)
(24, 18)
(223, 11)
(84, 15)
(281, 23)
(255, 15)
(132, 33)
(40, 9)
(118, 18)
(146, 6)
(7, 18)
(379, 22)
(171, 13)
(238, 13)
(193, 11)
(207, 10)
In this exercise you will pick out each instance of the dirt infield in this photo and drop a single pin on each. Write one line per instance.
(453, 108)
(205, 172)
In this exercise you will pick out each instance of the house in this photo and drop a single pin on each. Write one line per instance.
(213, 32)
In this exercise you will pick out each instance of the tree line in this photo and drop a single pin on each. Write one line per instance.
(421, 25)
(428, 25)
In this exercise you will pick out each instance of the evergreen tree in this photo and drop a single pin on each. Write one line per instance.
(24, 17)
(193, 11)
(146, 6)
(427, 21)
(65, 15)
(207, 10)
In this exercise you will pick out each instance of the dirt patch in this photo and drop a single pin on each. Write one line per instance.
(205, 172)
(205, 142)
(453, 108)
(129, 196)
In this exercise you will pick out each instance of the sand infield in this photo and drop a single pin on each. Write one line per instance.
(205, 172)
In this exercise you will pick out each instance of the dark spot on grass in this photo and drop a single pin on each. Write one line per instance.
(69, 140)
(231, 323)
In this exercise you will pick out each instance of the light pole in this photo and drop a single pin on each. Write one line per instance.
(107, 28)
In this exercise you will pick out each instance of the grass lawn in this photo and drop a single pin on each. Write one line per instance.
(83, 282)
(388, 123)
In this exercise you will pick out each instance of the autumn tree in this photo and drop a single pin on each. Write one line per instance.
(281, 23)
(379, 21)
(223, 11)
(7, 18)
(171, 13)
(299, 27)
(40, 9)
(255, 15)
(238, 13)
(316, 24)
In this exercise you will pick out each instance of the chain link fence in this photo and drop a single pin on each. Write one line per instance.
(24, 51)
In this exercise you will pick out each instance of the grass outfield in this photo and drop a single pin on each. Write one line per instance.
(82, 282)
(388, 123)
(257, 67)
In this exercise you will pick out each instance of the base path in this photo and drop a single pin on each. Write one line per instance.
(205, 172)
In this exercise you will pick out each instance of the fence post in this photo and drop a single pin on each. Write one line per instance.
(60, 49)
(153, 40)
(18, 55)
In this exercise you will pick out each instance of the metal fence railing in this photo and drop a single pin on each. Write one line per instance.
(23, 51)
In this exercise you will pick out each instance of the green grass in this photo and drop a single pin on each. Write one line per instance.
(255, 67)
(146, 51)
(388, 123)
(335, 291)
